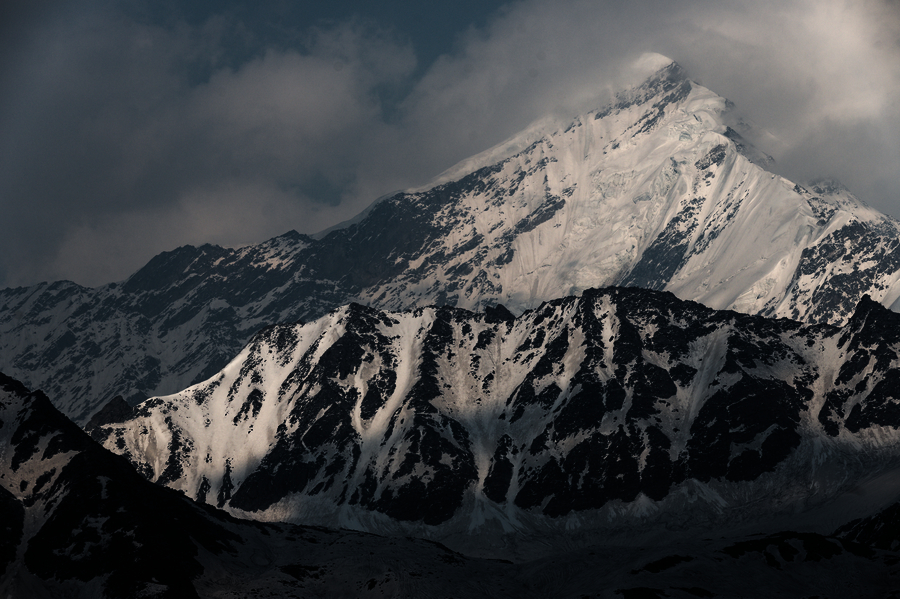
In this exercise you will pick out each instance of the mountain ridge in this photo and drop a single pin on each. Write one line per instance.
(619, 411)
(654, 190)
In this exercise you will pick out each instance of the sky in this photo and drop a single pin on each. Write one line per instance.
(130, 127)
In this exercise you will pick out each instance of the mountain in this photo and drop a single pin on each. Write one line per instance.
(626, 413)
(654, 190)
(78, 522)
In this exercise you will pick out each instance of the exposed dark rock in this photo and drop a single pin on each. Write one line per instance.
(117, 410)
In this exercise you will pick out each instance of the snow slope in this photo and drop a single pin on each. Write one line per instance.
(624, 411)
(654, 191)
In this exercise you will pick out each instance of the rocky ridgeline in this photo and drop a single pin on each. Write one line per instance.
(620, 408)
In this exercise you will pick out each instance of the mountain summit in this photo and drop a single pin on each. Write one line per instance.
(653, 190)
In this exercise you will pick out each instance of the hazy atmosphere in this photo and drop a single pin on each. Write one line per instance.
(130, 128)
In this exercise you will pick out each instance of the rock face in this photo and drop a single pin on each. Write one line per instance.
(879, 530)
(654, 190)
(617, 409)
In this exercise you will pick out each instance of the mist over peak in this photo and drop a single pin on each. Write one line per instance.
(230, 124)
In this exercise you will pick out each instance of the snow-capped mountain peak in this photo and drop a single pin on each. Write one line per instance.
(655, 189)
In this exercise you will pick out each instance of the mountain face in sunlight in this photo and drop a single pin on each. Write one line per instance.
(655, 190)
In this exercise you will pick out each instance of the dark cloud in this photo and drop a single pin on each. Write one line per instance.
(125, 133)
(115, 150)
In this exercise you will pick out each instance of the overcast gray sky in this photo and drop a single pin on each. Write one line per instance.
(128, 128)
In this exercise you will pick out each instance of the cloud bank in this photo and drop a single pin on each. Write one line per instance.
(121, 137)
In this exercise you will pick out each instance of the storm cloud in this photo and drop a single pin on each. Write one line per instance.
(122, 136)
